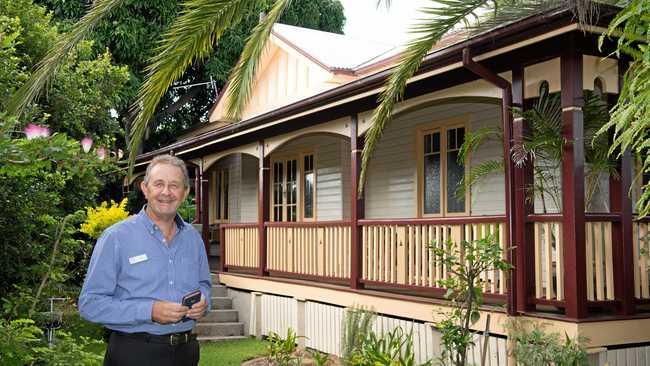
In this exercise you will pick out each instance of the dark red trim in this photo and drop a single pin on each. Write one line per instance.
(357, 206)
(222, 248)
(603, 303)
(240, 225)
(262, 206)
(427, 290)
(205, 211)
(197, 194)
(242, 269)
(589, 217)
(436, 220)
(603, 217)
(573, 194)
(544, 218)
(522, 274)
(302, 276)
(623, 253)
(557, 303)
(307, 224)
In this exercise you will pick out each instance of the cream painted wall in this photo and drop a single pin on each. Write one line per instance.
(283, 78)
(248, 190)
(391, 184)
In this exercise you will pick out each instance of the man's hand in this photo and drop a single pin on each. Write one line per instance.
(165, 312)
(197, 310)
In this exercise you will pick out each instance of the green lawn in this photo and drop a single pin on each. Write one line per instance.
(231, 353)
(224, 353)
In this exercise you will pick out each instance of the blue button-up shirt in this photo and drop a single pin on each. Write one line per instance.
(132, 266)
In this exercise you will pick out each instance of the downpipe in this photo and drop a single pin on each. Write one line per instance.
(506, 120)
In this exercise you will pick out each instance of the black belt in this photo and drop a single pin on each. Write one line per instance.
(173, 339)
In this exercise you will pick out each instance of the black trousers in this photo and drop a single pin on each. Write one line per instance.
(130, 351)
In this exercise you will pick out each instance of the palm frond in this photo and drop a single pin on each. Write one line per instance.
(191, 37)
(507, 11)
(47, 68)
(474, 139)
(243, 75)
(476, 174)
(386, 3)
(438, 21)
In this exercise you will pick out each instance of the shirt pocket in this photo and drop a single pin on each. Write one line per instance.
(188, 273)
(143, 276)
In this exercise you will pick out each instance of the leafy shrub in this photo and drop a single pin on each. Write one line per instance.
(100, 218)
(281, 350)
(69, 350)
(21, 343)
(537, 348)
(394, 348)
(357, 325)
(187, 209)
(465, 262)
(17, 339)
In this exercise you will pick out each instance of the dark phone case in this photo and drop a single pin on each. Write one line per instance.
(191, 298)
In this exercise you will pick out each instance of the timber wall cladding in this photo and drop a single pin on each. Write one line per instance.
(248, 189)
(391, 184)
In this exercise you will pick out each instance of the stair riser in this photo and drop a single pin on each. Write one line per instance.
(220, 330)
(221, 317)
(221, 303)
(219, 291)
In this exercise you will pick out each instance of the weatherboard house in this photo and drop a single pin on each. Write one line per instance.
(279, 205)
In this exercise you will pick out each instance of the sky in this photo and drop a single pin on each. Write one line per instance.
(364, 20)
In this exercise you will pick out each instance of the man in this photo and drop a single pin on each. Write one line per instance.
(139, 272)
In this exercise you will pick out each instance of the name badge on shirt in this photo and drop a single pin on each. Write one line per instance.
(138, 259)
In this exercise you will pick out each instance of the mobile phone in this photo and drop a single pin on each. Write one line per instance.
(191, 298)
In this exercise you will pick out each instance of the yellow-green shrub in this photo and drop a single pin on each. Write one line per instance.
(103, 216)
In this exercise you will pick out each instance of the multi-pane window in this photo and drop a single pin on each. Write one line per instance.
(441, 173)
(308, 190)
(220, 189)
(293, 188)
(455, 170)
(278, 191)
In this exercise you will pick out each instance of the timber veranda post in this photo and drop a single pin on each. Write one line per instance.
(573, 194)
(262, 207)
(521, 254)
(357, 204)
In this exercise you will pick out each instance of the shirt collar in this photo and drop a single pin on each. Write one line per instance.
(146, 220)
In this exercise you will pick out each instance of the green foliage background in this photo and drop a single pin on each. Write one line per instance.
(132, 32)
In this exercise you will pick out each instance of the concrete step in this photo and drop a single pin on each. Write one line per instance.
(220, 316)
(219, 339)
(214, 278)
(219, 329)
(219, 291)
(221, 303)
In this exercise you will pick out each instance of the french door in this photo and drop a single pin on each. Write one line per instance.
(285, 190)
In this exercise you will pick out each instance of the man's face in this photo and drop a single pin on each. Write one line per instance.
(164, 191)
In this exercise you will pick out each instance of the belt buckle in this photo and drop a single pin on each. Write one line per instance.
(171, 340)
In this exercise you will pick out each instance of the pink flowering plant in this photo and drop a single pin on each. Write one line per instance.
(34, 146)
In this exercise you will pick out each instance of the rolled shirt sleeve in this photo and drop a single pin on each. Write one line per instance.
(97, 301)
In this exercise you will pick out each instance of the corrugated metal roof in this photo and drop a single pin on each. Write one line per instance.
(335, 51)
